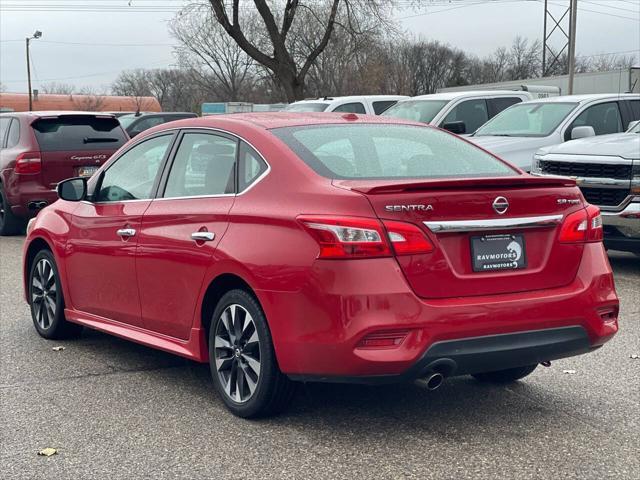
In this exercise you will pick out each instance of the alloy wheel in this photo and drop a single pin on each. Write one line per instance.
(44, 294)
(237, 353)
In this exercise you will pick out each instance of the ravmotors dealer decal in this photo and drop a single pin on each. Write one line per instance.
(498, 252)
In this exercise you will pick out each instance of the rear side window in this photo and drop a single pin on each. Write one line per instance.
(355, 107)
(377, 151)
(383, 105)
(635, 109)
(204, 165)
(13, 136)
(4, 128)
(78, 132)
(501, 103)
(251, 167)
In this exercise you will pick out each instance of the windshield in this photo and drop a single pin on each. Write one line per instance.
(126, 120)
(527, 120)
(307, 107)
(635, 128)
(381, 151)
(416, 110)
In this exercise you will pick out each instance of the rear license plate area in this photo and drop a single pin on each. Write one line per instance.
(498, 252)
(87, 171)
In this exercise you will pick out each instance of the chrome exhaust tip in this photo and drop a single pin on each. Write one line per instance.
(431, 382)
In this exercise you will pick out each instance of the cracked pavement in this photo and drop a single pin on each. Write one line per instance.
(114, 409)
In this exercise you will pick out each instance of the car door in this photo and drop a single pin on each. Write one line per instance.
(103, 234)
(182, 228)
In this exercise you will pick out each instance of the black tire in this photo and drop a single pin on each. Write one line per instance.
(242, 345)
(47, 301)
(505, 376)
(9, 223)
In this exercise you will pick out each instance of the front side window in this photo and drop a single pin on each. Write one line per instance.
(534, 119)
(377, 151)
(204, 165)
(604, 118)
(133, 175)
(416, 110)
(354, 107)
(472, 112)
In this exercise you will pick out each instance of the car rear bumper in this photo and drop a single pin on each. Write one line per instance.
(317, 331)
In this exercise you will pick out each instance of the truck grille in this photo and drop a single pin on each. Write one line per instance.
(606, 197)
(595, 170)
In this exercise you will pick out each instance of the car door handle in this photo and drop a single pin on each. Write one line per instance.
(126, 232)
(203, 236)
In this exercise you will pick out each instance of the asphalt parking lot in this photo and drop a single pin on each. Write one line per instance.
(114, 409)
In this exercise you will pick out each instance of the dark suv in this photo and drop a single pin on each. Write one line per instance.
(39, 149)
(137, 123)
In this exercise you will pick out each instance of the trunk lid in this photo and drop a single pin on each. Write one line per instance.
(75, 145)
(460, 217)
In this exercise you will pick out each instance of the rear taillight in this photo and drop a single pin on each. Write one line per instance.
(356, 237)
(28, 163)
(407, 239)
(347, 237)
(387, 339)
(585, 225)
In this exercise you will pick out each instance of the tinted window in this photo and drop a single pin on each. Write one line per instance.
(13, 137)
(635, 109)
(204, 165)
(251, 166)
(355, 107)
(527, 120)
(307, 107)
(501, 103)
(388, 151)
(472, 112)
(78, 132)
(4, 128)
(604, 118)
(133, 175)
(383, 105)
(416, 110)
(145, 124)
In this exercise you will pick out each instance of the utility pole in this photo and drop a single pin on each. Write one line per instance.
(36, 35)
(572, 44)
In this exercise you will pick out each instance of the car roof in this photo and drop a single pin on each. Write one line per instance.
(56, 113)
(271, 120)
(353, 98)
(468, 93)
(586, 98)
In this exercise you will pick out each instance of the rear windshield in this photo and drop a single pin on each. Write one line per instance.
(81, 132)
(307, 107)
(416, 110)
(377, 151)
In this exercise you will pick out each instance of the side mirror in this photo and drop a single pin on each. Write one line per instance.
(633, 125)
(459, 127)
(73, 189)
(582, 132)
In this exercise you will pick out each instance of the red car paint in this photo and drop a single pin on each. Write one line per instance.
(151, 288)
(25, 184)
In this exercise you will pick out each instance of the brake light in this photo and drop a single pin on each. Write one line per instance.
(407, 239)
(582, 226)
(28, 163)
(347, 237)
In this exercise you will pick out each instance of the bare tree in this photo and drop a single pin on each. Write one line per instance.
(134, 84)
(524, 59)
(58, 88)
(89, 100)
(206, 48)
(270, 42)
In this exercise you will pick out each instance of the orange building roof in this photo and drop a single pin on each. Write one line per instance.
(19, 102)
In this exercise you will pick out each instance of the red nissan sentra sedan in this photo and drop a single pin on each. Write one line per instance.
(319, 247)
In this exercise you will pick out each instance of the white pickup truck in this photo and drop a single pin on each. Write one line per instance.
(364, 104)
(607, 169)
(517, 133)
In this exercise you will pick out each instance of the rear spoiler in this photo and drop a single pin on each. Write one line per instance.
(404, 185)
